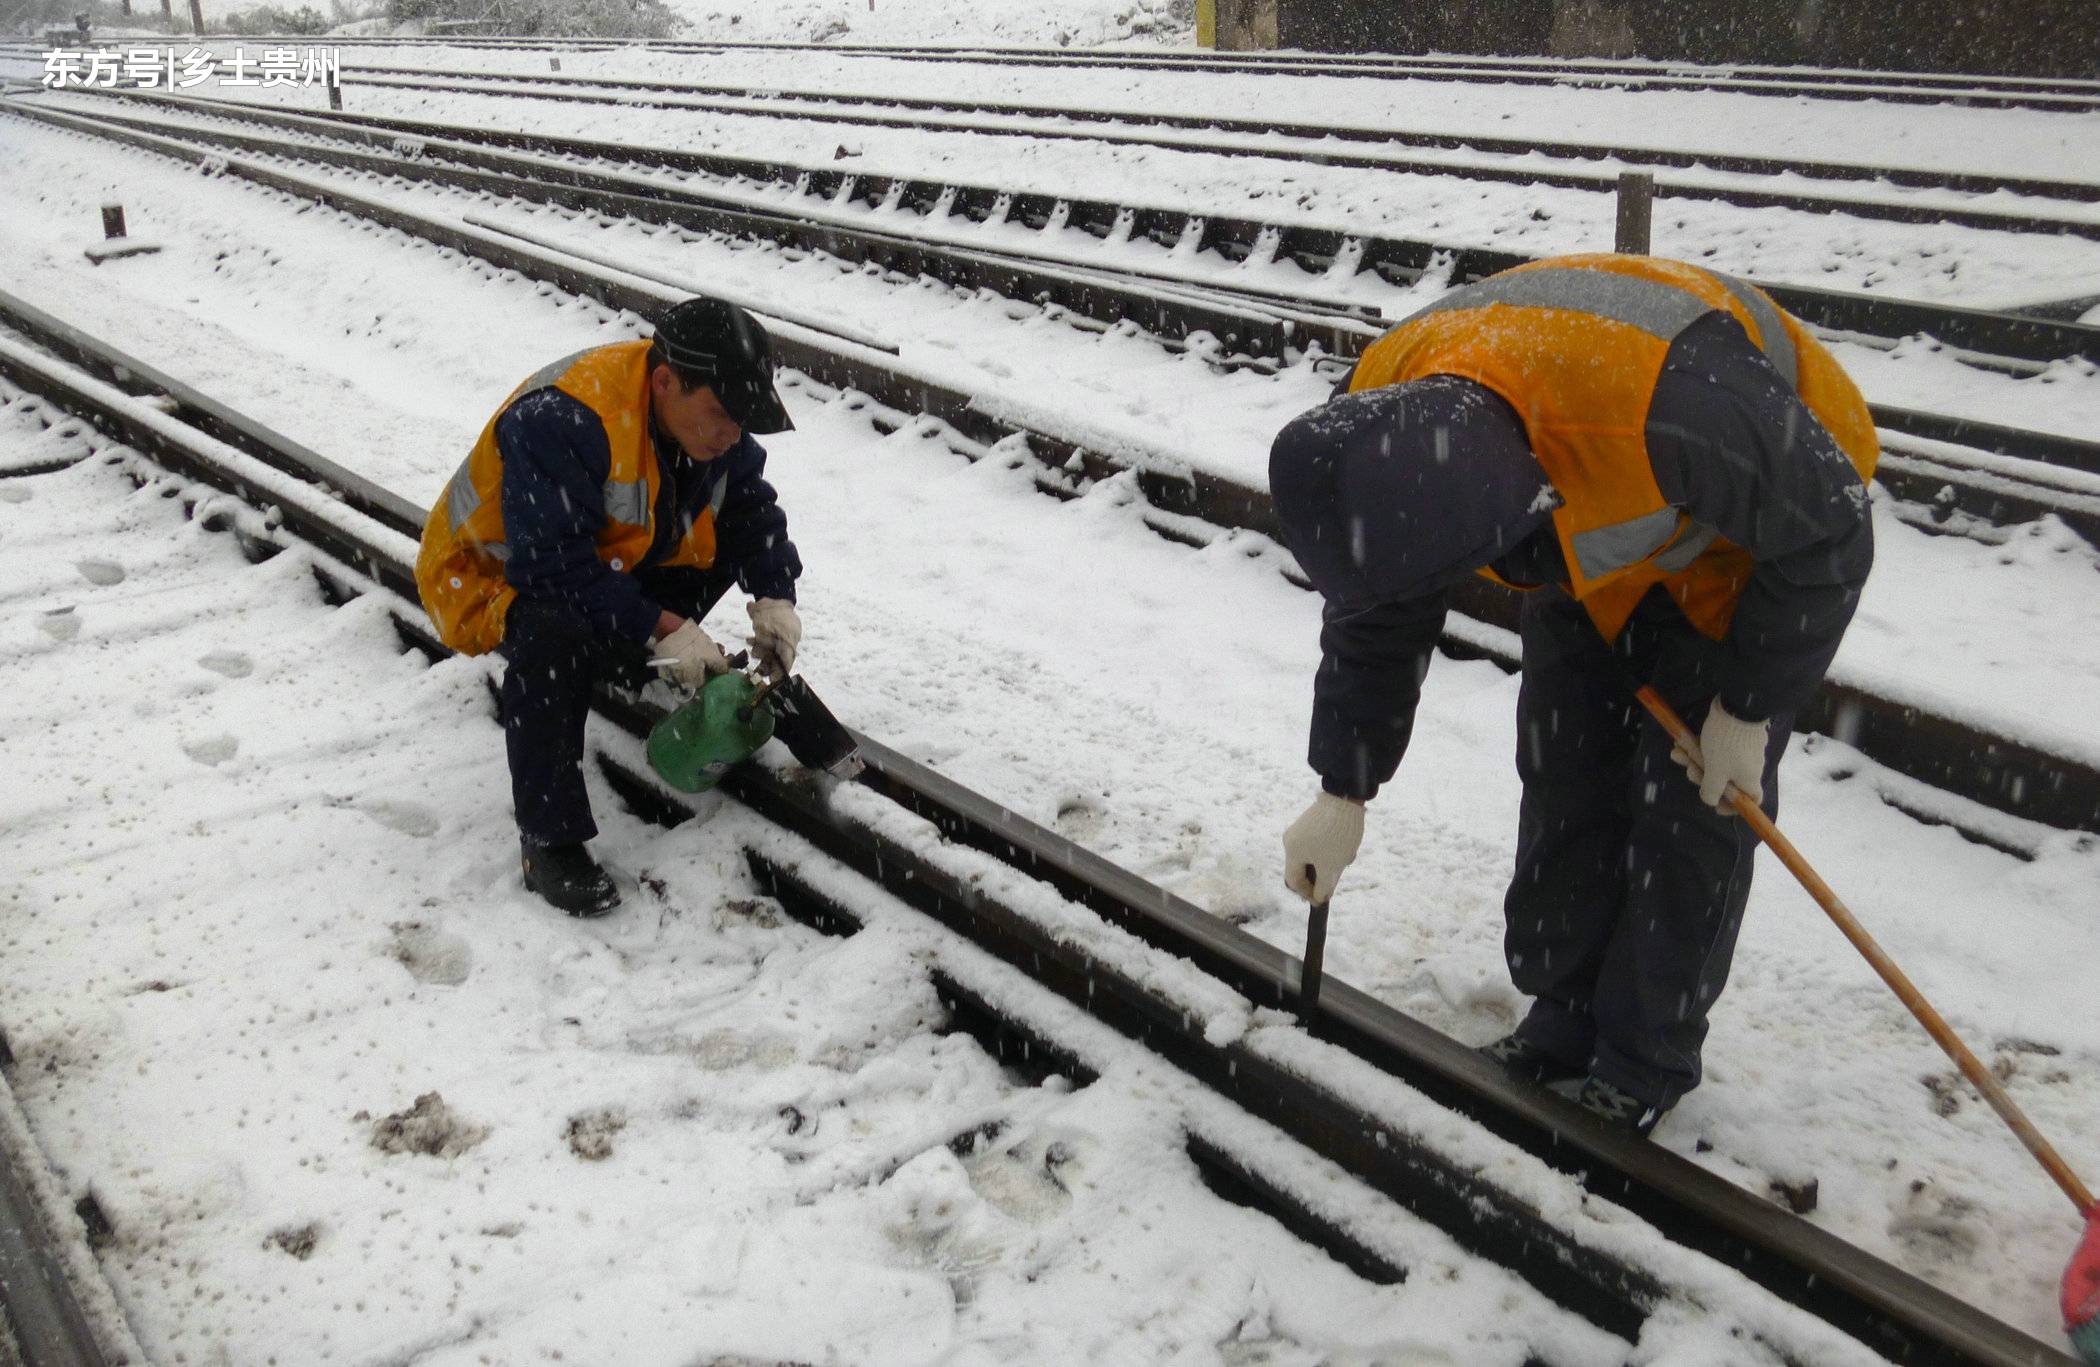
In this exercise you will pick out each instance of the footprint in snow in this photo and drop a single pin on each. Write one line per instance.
(60, 624)
(102, 572)
(1935, 1226)
(719, 1051)
(409, 818)
(212, 749)
(229, 663)
(429, 954)
(1079, 817)
(15, 493)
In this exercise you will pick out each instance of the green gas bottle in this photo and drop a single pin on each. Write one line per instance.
(720, 727)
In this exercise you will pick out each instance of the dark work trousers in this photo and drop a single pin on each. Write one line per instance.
(555, 661)
(1628, 892)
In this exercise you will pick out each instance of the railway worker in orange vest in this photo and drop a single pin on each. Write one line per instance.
(609, 503)
(1676, 471)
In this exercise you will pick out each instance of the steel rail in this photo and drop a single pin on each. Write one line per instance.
(2082, 191)
(1920, 87)
(1335, 146)
(1582, 74)
(1939, 488)
(1244, 322)
(1990, 768)
(41, 1317)
(1996, 339)
(1404, 66)
(1888, 1310)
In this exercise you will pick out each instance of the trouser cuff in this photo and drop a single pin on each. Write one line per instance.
(1560, 1031)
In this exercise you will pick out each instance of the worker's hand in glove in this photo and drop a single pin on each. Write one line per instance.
(775, 633)
(1320, 844)
(1731, 753)
(690, 655)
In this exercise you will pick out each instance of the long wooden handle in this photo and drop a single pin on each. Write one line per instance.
(1971, 1066)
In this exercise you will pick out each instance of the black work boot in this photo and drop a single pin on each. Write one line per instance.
(1521, 1058)
(1619, 1109)
(569, 879)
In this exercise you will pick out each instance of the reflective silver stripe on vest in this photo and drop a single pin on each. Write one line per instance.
(1661, 310)
(1690, 547)
(1777, 343)
(1655, 308)
(494, 550)
(714, 506)
(1604, 549)
(550, 372)
(462, 499)
(627, 501)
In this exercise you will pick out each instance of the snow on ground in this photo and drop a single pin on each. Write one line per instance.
(346, 1096)
(1145, 698)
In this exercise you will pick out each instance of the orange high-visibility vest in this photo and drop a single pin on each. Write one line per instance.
(459, 570)
(1575, 345)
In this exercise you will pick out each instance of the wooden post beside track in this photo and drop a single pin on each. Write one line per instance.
(116, 243)
(197, 16)
(1636, 205)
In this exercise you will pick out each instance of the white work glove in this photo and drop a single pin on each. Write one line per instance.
(690, 655)
(775, 632)
(1325, 837)
(1731, 753)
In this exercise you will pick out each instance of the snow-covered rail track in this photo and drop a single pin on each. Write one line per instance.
(1425, 1123)
(1948, 470)
(2016, 342)
(1896, 194)
(1902, 87)
(42, 1323)
(1963, 758)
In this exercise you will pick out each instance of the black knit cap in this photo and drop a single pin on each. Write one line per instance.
(715, 343)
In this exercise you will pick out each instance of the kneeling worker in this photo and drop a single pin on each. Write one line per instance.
(1677, 471)
(612, 499)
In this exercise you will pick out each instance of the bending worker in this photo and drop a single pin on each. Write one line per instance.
(1677, 472)
(610, 502)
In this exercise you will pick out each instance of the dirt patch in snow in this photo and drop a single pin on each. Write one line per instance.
(590, 1135)
(298, 1241)
(428, 1127)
